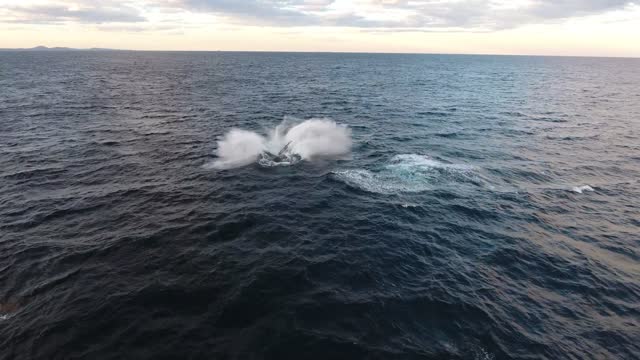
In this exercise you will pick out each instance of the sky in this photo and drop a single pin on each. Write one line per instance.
(539, 27)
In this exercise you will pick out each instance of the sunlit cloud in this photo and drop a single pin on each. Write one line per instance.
(75, 12)
(351, 25)
(383, 14)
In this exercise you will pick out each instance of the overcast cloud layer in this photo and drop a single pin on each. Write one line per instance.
(392, 15)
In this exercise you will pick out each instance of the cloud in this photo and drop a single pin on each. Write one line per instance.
(85, 14)
(493, 15)
(256, 12)
(136, 28)
(370, 15)
(477, 15)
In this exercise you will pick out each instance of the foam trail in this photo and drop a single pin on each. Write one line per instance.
(286, 144)
(410, 173)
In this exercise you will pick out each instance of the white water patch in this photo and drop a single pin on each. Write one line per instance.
(483, 354)
(409, 173)
(581, 189)
(284, 145)
(372, 182)
(406, 206)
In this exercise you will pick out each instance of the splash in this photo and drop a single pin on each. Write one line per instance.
(238, 148)
(286, 144)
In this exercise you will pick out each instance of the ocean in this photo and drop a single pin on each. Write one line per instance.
(221, 205)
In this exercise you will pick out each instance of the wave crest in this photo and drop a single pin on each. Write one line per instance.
(581, 189)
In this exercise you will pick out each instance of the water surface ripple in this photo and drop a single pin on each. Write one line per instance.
(490, 208)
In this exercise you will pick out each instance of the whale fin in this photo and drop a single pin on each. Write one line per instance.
(284, 149)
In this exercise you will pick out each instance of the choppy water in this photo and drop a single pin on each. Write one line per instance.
(489, 209)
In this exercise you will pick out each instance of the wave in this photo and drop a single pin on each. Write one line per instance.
(289, 142)
(581, 189)
(7, 310)
(409, 173)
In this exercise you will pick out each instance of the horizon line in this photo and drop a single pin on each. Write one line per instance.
(41, 48)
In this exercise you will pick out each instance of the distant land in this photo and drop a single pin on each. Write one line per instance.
(45, 48)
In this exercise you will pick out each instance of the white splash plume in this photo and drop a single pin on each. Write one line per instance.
(286, 144)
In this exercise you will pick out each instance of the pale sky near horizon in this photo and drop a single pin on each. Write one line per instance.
(543, 27)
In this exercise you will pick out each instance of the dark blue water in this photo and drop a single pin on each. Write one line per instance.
(490, 208)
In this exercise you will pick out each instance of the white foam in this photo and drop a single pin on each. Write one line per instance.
(581, 189)
(483, 354)
(409, 173)
(271, 163)
(415, 162)
(373, 182)
(291, 140)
